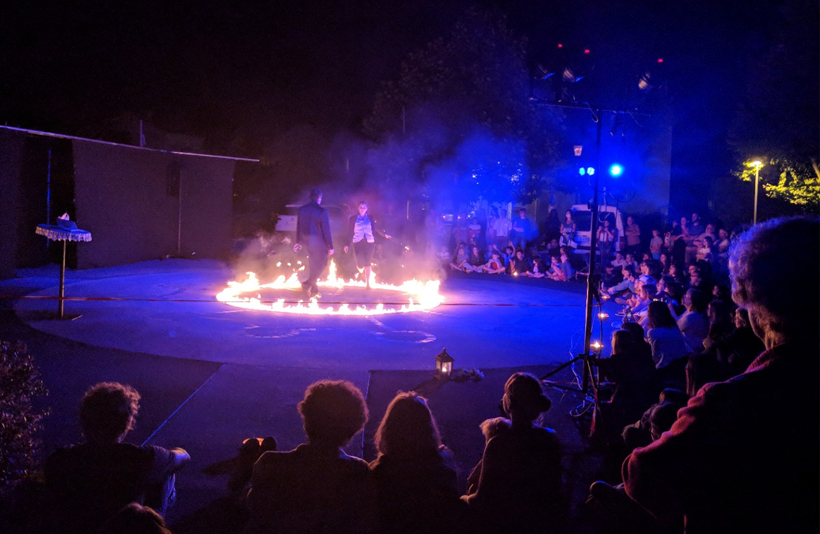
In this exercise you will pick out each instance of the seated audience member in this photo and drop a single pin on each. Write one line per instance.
(638, 338)
(676, 272)
(651, 425)
(489, 253)
(415, 474)
(721, 322)
(555, 272)
(135, 519)
(665, 262)
(490, 428)
(627, 283)
(629, 259)
(508, 256)
(694, 323)
(722, 292)
(474, 262)
(566, 267)
(520, 481)
(741, 347)
(613, 511)
(317, 487)
(612, 271)
(561, 269)
(537, 270)
(633, 372)
(92, 481)
(520, 264)
(705, 367)
(495, 265)
(742, 455)
(460, 257)
(667, 341)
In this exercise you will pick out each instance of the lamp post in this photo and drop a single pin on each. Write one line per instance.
(757, 163)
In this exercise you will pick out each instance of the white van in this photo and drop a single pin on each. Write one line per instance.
(582, 216)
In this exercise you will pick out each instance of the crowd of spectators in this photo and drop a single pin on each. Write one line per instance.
(729, 446)
(491, 244)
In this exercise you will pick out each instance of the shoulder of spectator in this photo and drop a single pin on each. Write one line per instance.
(180, 457)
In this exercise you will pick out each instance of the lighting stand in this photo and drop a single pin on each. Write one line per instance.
(589, 382)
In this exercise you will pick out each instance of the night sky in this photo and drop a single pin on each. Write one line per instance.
(252, 70)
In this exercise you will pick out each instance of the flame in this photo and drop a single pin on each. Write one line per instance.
(422, 296)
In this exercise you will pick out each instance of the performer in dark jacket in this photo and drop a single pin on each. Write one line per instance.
(313, 232)
(361, 236)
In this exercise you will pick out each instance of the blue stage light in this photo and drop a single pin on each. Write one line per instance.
(590, 170)
(582, 171)
(616, 170)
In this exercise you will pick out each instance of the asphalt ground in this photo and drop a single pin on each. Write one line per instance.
(211, 374)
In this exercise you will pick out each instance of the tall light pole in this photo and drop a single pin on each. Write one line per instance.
(757, 163)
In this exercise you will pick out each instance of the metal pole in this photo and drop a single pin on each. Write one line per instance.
(757, 172)
(179, 218)
(61, 306)
(593, 243)
(48, 196)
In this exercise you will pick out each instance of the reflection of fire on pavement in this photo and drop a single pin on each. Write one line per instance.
(421, 296)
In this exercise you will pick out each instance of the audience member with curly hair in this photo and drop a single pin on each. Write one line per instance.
(317, 487)
(92, 481)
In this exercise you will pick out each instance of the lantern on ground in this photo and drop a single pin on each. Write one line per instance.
(444, 364)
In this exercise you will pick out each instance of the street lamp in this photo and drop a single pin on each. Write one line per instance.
(756, 163)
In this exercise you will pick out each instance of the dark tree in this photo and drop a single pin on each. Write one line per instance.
(778, 120)
(459, 115)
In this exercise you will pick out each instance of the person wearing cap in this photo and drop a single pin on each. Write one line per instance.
(313, 232)
(520, 478)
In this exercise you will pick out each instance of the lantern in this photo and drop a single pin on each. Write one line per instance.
(444, 364)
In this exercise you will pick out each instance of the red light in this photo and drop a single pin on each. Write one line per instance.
(660, 60)
(586, 50)
(560, 45)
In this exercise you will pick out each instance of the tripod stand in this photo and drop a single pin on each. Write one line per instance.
(589, 383)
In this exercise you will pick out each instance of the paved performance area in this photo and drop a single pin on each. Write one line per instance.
(211, 374)
(169, 308)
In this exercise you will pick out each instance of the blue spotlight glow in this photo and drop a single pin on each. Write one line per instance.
(616, 170)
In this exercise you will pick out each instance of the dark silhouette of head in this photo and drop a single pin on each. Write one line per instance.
(136, 519)
(315, 195)
(636, 331)
(333, 411)
(659, 316)
(108, 411)
(524, 399)
(622, 342)
(408, 428)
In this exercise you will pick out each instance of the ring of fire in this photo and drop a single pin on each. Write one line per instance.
(421, 296)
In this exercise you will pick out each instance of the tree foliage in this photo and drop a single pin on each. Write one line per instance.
(777, 118)
(19, 420)
(459, 113)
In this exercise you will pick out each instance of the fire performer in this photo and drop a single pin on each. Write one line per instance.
(361, 228)
(313, 231)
